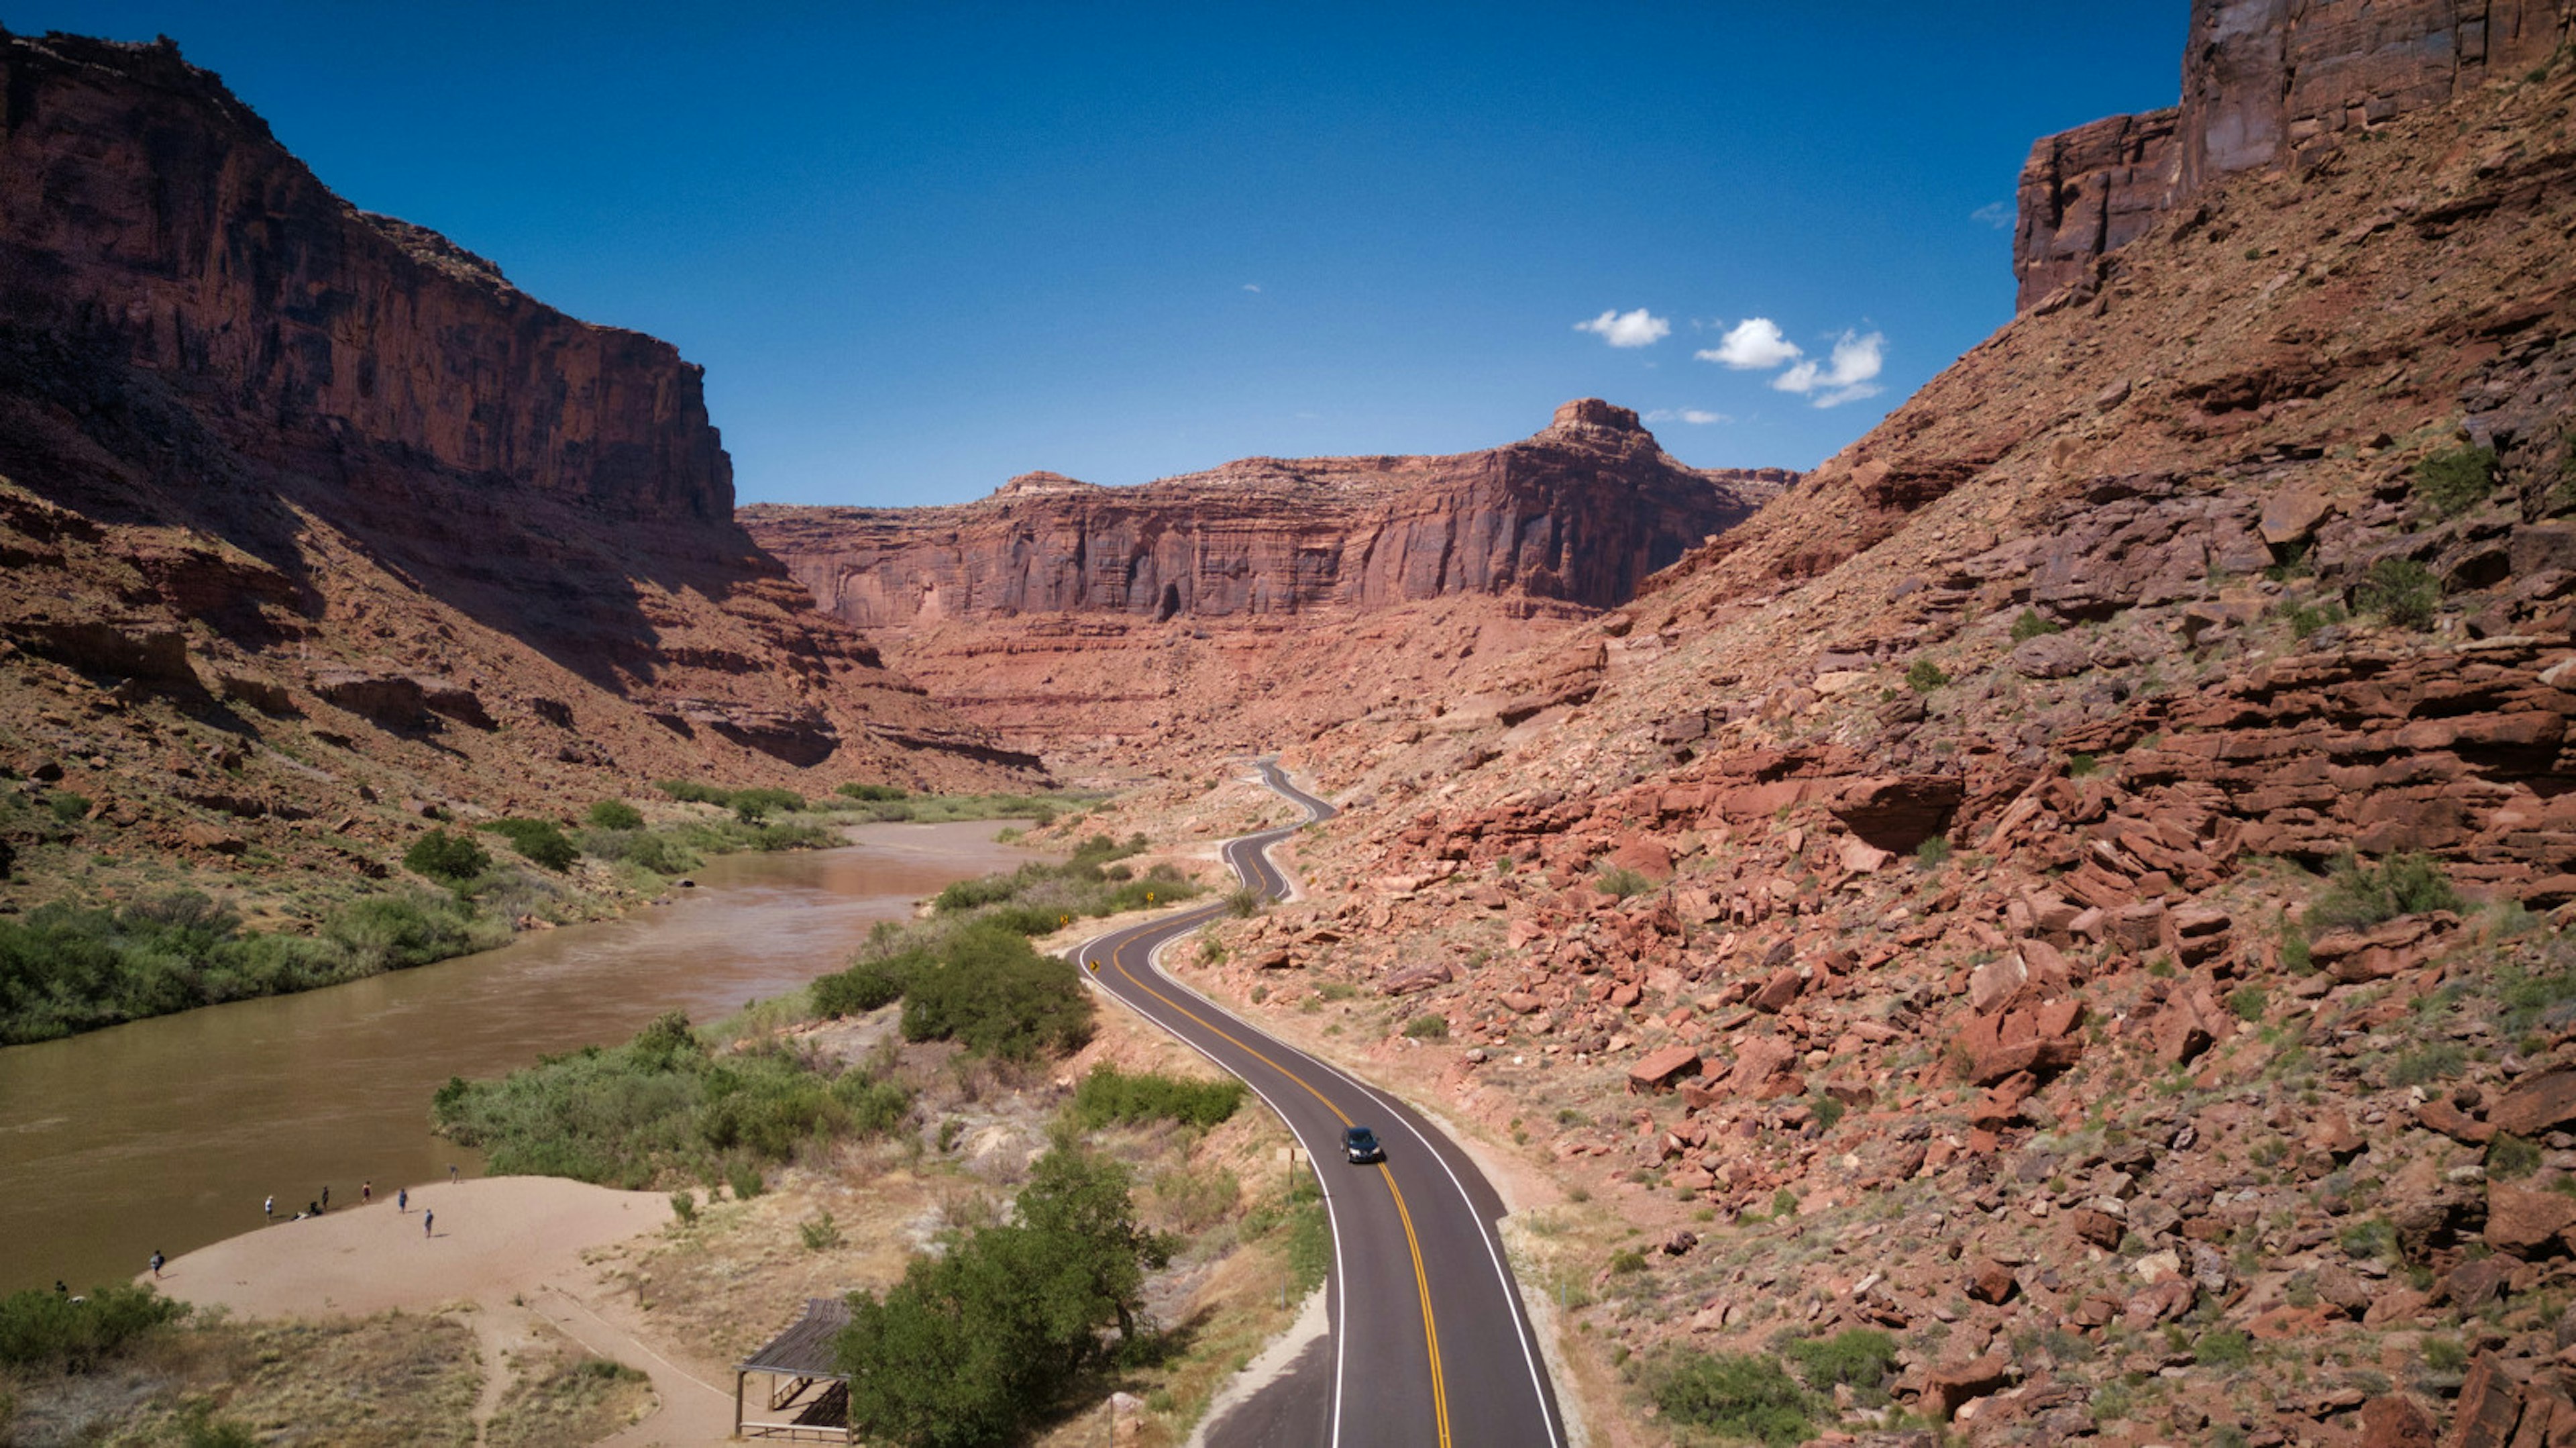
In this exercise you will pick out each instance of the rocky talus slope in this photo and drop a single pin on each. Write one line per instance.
(1214, 609)
(1933, 907)
(312, 521)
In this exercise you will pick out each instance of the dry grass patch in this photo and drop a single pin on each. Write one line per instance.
(560, 1394)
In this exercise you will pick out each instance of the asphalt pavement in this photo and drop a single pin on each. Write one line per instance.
(1429, 1343)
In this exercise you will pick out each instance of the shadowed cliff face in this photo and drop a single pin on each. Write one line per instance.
(328, 485)
(1579, 514)
(148, 219)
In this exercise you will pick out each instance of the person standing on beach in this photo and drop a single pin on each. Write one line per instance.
(157, 1260)
(402, 1199)
(366, 1191)
(326, 1198)
(268, 1208)
(427, 1217)
(451, 1173)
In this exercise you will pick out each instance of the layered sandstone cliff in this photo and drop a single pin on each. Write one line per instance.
(1580, 513)
(324, 495)
(2264, 81)
(1270, 594)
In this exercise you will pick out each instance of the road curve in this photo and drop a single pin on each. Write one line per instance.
(1429, 1342)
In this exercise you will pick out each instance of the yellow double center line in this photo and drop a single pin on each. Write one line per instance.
(1412, 1243)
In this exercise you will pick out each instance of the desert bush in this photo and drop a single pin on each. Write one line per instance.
(1924, 676)
(870, 793)
(1430, 1026)
(1859, 1358)
(864, 987)
(819, 1232)
(1739, 1395)
(2401, 591)
(1621, 882)
(1245, 902)
(48, 1329)
(2358, 896)
(2032, 624)
(1111, 1095)
(990, 991)
(542, 842)
(616, 814)
(1932, 853)
(2453, 482)
(448, 859)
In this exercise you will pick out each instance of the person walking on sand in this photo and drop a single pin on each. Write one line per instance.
(451, 1173)
(402, 1199)
(268, 1208)
(326, 1198)
(426, 1218)
(157, 1260)
(366, 1191)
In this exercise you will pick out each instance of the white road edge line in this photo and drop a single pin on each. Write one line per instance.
(1493, 1252)
(1314, 1163)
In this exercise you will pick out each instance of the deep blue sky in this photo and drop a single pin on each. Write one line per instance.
(922, 248)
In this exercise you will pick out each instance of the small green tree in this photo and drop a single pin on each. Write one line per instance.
(449, 859)
(541, 842)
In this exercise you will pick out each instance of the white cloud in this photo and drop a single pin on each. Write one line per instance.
(1252, 286)
(1755, 342)
(1696, 417)
(1997, 214)
(1845, 377)
(1628, 329)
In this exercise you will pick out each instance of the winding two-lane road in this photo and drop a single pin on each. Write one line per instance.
(1429, 1341)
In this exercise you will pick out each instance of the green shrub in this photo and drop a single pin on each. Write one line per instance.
(398, 932)
(1111, 1095)
(2358, 896)
(1932, 853)
(1828, 1110)
(690, 791)
(2444, 1354)
(540, 841)
(2248, 1002)
(1784, 1203)
(2511, 1158)
(876, 1108)
(819, 1232)
(745, 1180)
(864, 987)
(1859, 1358)
(2428, 1063)
(992, 992)
(47, 1329)
(2306, 619)
(2031, 625)
(1430, 1026)
(616, 814)
(2224, 1347)
(2082, 766)
(67, 807)
(684, 1206)
(1245, 902)
(448, 859)
(1627, 1260)
(1738, 1395)
(2454, 482)
(2401, 591)
(1621, 882)
(1924, 676)
(870, 793)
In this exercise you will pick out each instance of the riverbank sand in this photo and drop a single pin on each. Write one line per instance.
(513, 1247)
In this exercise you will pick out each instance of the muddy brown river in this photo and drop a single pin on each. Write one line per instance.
(168, 1134)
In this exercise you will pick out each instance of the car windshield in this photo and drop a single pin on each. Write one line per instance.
(1362, 1136)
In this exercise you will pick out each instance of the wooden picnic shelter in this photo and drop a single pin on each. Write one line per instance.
(804, 1396)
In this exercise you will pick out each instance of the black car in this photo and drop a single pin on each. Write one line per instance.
(1360, 1145)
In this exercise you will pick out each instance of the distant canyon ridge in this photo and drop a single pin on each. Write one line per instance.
(1056, 610)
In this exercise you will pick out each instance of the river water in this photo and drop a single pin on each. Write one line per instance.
(167, 1134)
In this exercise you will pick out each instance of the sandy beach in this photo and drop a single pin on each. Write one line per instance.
(510, 1247)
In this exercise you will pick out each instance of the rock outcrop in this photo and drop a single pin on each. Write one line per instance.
(2264, 81)
(322, 495)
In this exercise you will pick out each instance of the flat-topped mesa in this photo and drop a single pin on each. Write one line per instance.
(2263, 82)
(1578, 514)
(150, 221)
